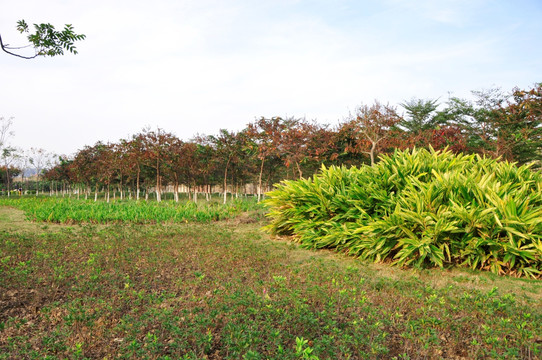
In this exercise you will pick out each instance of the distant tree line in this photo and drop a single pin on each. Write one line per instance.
(268, 150)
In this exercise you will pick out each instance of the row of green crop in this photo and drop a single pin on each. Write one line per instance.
(422, 208)
(65, 210)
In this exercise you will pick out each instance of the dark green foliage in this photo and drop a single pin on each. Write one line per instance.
(46, 40)
(421, 115)
(12, 172)
(422, 208)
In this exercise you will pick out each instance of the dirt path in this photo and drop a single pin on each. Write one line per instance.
(14, 220)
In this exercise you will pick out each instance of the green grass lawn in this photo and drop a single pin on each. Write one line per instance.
(225, 290)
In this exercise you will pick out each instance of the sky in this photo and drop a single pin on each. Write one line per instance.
(196, 66)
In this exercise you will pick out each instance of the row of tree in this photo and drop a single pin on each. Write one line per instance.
(268, 150)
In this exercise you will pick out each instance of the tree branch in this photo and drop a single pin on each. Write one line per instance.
(4, 48)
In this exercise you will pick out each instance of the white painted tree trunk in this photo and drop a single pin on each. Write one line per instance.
(137, 185)
(225, 180)
(260, 182)
(158, 190)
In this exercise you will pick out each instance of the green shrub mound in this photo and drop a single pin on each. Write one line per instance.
(419, 207)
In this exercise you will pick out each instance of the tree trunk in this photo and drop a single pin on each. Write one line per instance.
(299, 170)
(260, 181)
(225, 179)
(176, 190)
(121, 195)
(225, 185)
(7, 179)
(372, 153)
(158, 194)
(137, 183)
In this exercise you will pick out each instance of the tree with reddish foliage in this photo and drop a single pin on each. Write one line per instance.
(155, 152)
(519, 124)
(270, 150)
(176, 164)
(124, 167)
(198, 164)
(105, 165)
(449, 136)
(135, 156)
(321, 145)
(265, 137)
(83, 169)
(376, 128)
(244, 170)
(60, 173)
(346, 141)
(503, 125)
(296, 144)
(228, 148)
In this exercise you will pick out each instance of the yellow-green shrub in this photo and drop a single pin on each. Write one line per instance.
(419, 207)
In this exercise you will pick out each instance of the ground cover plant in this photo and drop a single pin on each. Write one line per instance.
(420, 207)
(68, 210)
(225, 290)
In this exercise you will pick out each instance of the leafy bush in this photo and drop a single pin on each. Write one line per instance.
(422, 208)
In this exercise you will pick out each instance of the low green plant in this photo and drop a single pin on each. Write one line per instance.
(303, 350)
(419, 208)
(66, 210)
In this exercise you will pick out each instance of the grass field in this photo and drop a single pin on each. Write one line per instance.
(224, 290)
